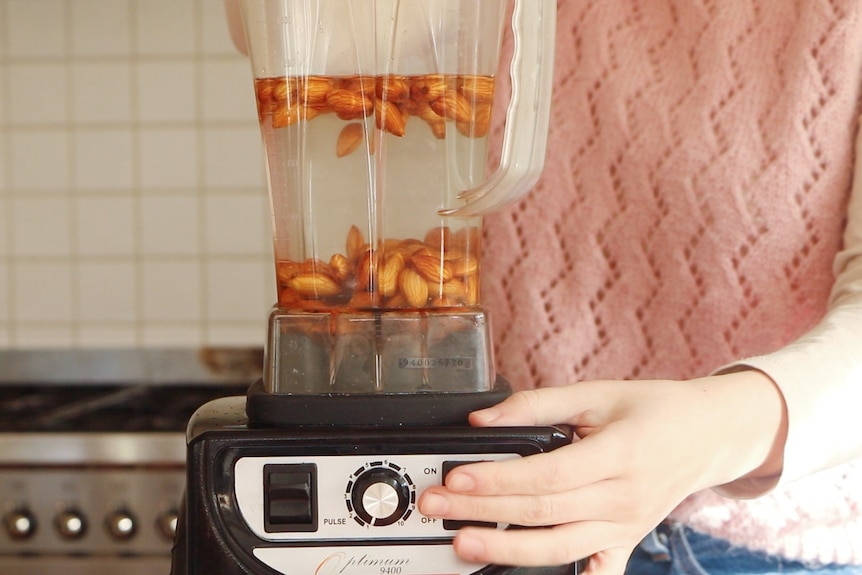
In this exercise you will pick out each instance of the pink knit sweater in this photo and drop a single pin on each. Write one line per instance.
(693, 202)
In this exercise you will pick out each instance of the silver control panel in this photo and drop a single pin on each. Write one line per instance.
(89, 509)
(341, 498)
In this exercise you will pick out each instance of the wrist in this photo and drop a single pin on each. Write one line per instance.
(752, 417)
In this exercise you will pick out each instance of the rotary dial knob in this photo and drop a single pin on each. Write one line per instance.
(20, 523)
(121, 525)
(380, 495)
(70, 524)
(166, 524)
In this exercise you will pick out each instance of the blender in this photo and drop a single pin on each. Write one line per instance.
(375, 118)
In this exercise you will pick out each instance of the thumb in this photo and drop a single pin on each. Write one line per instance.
(608, 562)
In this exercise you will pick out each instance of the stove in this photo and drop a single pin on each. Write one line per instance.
(93, 454)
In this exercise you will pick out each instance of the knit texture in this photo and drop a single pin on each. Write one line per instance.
(699, 163)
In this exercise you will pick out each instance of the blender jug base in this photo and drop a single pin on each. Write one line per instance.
(432, 351)
(368, 409)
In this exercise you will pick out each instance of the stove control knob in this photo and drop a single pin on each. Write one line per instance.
(166, 524)
(121, 525)
(70, 524)
(19, 523)
(381, 496)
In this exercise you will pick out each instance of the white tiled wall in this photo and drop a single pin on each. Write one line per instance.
(133, 208)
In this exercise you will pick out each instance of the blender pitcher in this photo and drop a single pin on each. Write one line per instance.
(375, 118)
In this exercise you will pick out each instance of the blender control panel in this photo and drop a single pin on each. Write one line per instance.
(339, 498)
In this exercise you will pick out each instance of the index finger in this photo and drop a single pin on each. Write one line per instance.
(570, 467)
(544, 406)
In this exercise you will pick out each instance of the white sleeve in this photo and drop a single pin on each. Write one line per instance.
(820, 374)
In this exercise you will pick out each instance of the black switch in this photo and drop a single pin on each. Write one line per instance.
(290, 497)
(450, 524)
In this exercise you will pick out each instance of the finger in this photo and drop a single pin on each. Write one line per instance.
(558, 545)
(548, 406)
(600, 500)
(599, 457)
(608, 562)
(528, 408)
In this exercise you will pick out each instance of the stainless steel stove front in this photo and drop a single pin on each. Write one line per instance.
(99, 503)
(93, 454)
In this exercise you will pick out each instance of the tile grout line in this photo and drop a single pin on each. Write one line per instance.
(203, 262)
(9, 299)
(75, 311)
(137, 192)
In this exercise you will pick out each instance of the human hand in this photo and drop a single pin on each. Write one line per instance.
(644, 447)
(233, 15)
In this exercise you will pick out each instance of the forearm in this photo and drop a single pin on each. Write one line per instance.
(820, 378)
(820, 374)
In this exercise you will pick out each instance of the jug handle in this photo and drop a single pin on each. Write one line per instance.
(525, 138)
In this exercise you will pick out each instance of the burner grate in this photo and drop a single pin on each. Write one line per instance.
(104, 408)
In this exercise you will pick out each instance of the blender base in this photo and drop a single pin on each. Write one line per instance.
(329, 500)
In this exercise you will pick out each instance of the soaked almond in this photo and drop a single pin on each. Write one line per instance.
(414, 288)
(355, 241)
(431, 267)
(314, 286)
(390, 118)
(454, 106)
(349, 139)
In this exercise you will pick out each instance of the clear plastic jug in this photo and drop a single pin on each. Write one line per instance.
(375, 116)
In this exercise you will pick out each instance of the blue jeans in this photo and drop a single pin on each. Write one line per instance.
(673, 549)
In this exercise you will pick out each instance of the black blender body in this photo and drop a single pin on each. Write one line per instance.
(336, 499)
(375, 119)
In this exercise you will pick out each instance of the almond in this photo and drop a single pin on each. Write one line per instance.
(285, 270)
(454, 289)
(315, 90)
(478, 89)
(414, 288)
(431, 268)
(427, 88)
(287, 116)
(464, 266)
(436, 122)
(349, 105)
(389, 272)
(365, 85)
(355, 241)
(265, 90)
(453, 106)
(349, 139)
(285, 89)
(472, 284)
(392, 88)
(479, 125)
(340, 267)
(366, 268)
(389, 118)
(314, 286)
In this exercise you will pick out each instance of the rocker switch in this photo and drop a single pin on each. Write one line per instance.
(290, 498)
